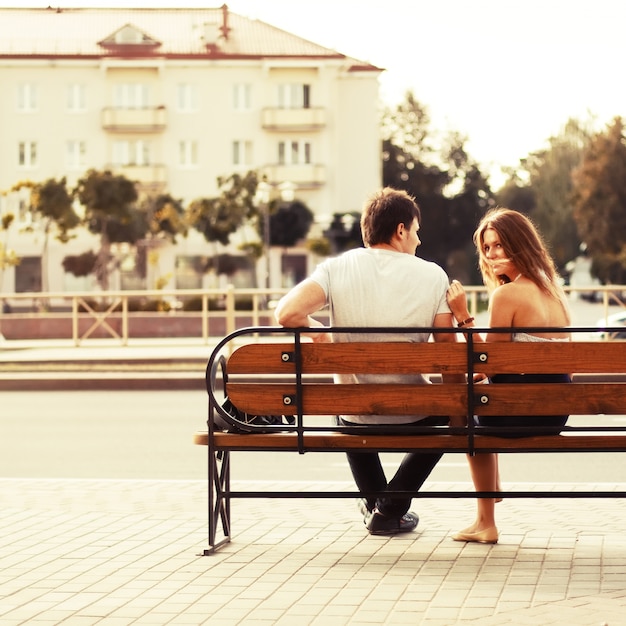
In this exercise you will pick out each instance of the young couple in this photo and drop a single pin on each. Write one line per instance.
(358, 286)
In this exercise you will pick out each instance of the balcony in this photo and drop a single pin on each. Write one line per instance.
(153, 176)
(147, 120)
(293, 119)
(305, 176)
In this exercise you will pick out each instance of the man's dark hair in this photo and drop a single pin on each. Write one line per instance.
(383, 211)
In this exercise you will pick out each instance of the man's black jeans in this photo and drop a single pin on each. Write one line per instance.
(414, 469)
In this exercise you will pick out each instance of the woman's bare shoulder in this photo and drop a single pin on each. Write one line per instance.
(508, 292)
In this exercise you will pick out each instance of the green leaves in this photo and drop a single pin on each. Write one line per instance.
(600, 202)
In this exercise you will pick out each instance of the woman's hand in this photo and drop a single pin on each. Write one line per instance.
(457, 301)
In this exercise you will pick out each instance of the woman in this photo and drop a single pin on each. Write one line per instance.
(524, 291)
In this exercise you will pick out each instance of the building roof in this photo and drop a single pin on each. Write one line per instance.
(166, 33)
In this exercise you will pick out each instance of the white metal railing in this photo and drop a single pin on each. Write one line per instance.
(87, 318)
(99, 308)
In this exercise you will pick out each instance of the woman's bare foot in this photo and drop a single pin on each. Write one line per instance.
(486, 535)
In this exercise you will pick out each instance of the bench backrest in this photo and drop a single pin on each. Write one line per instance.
(296, 378)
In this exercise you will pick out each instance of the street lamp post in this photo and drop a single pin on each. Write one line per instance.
(263, 195)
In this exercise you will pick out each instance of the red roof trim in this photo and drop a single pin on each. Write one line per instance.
(157, 55)
(365, 68)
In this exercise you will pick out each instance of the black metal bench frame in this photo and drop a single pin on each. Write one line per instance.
(601, 386)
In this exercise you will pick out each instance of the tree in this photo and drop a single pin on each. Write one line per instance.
(516, 194)
(463, 212)
(80, 264)
(166, 219)
(408, 126)
(289, 222)
(111, 212)
(218, 218)
(600, 202)
(344, 232)
(450, 189)
(54, 204)
(110, 209)
(547, 195)
(8, 257)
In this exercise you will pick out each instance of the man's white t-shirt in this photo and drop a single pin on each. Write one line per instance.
(382, 288)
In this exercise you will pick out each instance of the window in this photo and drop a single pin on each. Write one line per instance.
(293, 269)
(294, 152)
(242, 97)
(76, 100)
(75, 155)
(131, 96)
(242, 153)
(294, 96)
(28, 274)
(24, 212)
(128, 35)
(188, 153)
(27, 97)
(27, 154)
(189, 271)
(187, 97)
(131, 152)
(133, 272)
(26, 215)
(79, 283)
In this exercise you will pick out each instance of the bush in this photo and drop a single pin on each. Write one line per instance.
(134, 305)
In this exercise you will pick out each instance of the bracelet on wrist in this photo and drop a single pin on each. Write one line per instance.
(469, 320)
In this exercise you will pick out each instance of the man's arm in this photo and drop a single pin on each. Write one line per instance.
(295, 308)
(444, 320)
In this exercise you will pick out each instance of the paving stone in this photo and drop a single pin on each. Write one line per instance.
(127, 551)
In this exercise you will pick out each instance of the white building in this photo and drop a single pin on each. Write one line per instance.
(174, 98)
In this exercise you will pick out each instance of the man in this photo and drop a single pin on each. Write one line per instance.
(381, 285)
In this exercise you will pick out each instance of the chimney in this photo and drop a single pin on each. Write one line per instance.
(225, 28)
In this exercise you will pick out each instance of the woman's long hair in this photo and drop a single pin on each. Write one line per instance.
(523, 244)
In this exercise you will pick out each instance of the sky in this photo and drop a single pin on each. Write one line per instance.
(506, 74)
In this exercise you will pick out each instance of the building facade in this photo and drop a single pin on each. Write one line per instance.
(173, 99)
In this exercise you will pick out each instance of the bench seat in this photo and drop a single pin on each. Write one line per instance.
(342, 442)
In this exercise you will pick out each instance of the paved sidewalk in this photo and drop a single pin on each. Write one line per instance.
(83, 552)
(104, 350)
(103, 364)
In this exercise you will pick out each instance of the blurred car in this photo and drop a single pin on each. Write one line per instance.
(613, 320)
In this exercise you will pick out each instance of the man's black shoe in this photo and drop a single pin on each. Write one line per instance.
(379, 524)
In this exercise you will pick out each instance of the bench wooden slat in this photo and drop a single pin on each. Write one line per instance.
(579, 357)
(324, 399)
(552, 399)
(409, 358)
(450, 399)
(350, 358)
(334, 441)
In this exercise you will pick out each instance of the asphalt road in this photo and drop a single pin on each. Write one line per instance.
(148, 435)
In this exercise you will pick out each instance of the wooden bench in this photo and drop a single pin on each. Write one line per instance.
(269, 371)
